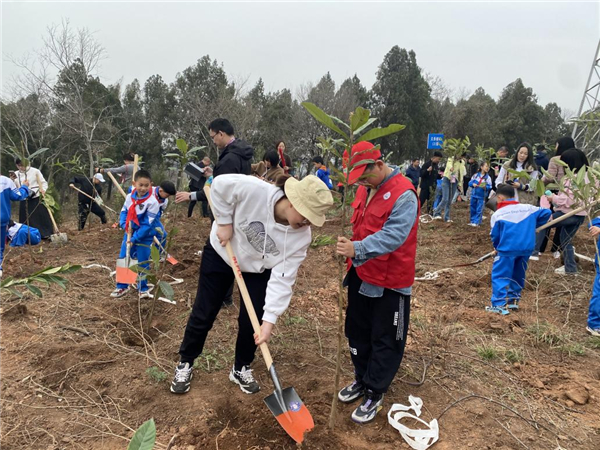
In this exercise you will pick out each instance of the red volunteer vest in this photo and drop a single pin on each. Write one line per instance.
(393, 270)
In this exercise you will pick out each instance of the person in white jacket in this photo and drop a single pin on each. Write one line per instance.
(31, 212)
(269, 229)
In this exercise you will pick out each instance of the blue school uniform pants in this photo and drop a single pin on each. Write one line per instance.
(594, 311)
(477, 204)
(508, 279)
(141, 252)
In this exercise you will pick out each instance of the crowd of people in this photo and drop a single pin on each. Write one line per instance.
(266, 214)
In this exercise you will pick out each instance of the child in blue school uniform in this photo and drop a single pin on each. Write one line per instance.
(481, 185)
(438, 188)
(139, 212)
(9, 192)
(20, 234)
(593, 321)
(513, 236)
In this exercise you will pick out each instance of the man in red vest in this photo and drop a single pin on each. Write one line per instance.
(381, 271)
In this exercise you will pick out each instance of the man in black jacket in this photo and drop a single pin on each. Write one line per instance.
(429, 176)
(93, 188)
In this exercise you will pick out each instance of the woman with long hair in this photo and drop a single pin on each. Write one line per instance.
(522, 161)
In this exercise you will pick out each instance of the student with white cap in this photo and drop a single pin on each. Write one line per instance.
(269, 229)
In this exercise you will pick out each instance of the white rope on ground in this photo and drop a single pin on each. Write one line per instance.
(425, 218)
(429, 276)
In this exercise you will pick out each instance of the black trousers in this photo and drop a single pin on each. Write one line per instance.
(84, 211)
(34, 214)
(426, 195)
(376, 329)
(204, 204)
(216, 278)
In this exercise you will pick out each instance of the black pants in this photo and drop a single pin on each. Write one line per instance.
(216, 278)
(376, 329)
(84, 211)
(34, 214)
(425, 195)
(204, 204)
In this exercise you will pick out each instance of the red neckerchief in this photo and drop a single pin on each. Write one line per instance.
(504, 203)
(131, 214)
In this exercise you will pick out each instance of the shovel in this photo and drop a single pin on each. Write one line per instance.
(285, 404)
(124, 273)
(57, 237)
(170, 258)
(97, 200)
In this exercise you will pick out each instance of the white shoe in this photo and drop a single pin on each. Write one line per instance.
(593, 332)
(556, 254)
(483, 217)
(473, 225)
(145, 294)
(449, 221)
(437, 217)
(560, 270)
(535, 257)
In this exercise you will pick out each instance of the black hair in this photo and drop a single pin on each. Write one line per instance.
(540, 148)
(168, 187)
(504, 147)
(416, 159)
(575, 159)
(221, 125)
(438, 154)
(529, 162)
(128, 156)
(505, 190)
(318, 159)
(18, 161)
(273, 157)
(564, 143)
(280, 142)
(142, 173)
(11, 223)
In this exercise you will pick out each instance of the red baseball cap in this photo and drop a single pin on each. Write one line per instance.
(363, 151)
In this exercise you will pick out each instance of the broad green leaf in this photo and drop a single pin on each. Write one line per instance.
(580, 176)
(365, 125)
(166, 289)
(340, 121)
(15, 292)
(155, 255)
(34, 289)
(377, 133)
(539, 188)
(144, 438)
(561, 162)
(323, 118)
(172, 155)
(37, 152)
(358, 118)
(182, 145)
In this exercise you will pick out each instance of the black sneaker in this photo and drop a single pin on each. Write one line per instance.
(368, 409)
(351, 392)
(183, 377)
(245, 380)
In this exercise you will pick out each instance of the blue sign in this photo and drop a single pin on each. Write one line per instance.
(434, 141)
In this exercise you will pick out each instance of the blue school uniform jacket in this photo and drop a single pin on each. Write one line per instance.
(10, 192)
(476, 180)
(146, 214)
(513, 227)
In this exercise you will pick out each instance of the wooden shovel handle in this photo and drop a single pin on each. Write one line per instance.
(89, 196)
(117, 185)
(264, 348)
(566, 216)
(130, 229)
(39, 182)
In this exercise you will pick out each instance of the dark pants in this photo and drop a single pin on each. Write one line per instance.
(425, 195)
(555, 241)
(204, 204)
(216, 278)
(567, 229)
(376, 329)
(84, 211)
(34, 214)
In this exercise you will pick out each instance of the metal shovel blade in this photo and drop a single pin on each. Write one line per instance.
(124, 274)
(58, 238)
(295, 419)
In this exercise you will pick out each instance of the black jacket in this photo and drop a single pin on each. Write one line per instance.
(87, 186)
(429, 178)
(235, 158)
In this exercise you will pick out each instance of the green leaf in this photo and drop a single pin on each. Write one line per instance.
(37, 152)
(144, 438)
(15, 292)
(365, 125)
(539, 188)
(323, 118)
(182, 145)
(377, 133)
(196, 149)
(359, 117)
(172, 155)
(341, 122)
(166, 289)
(34, 289)
(155, 255)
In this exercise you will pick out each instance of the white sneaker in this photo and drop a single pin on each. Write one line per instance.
(449, 221)
(473, 225)
(593, 332)
(437, 217)
(560, 270)
(145, 294)
(120, 292)
(556, 254)
(535, 257)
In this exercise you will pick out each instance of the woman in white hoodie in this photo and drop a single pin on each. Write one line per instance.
(269, 229)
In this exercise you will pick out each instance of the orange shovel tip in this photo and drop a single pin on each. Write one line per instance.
(296, 423)
(125, 275)
(172, 260)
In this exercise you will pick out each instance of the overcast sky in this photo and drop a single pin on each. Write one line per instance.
(469, 44)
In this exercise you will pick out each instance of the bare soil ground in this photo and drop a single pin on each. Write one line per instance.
(78, 373)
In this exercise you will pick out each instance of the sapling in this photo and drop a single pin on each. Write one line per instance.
(353, 132)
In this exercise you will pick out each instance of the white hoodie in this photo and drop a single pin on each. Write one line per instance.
(249, 204)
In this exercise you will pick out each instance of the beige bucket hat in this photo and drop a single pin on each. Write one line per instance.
(310, 197)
